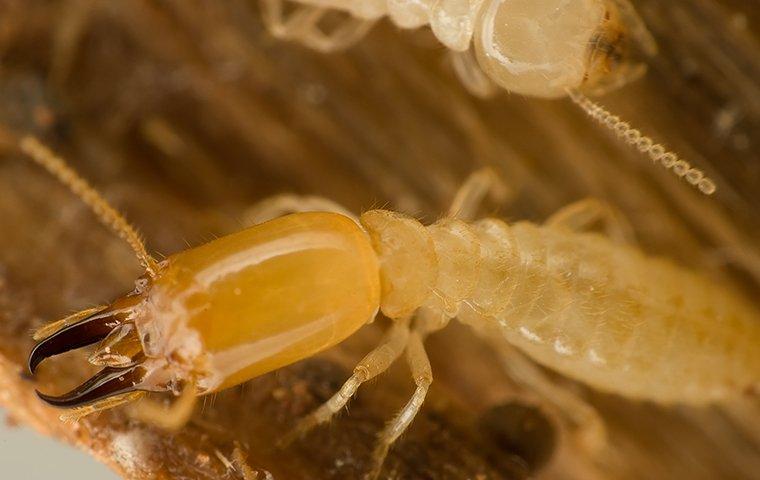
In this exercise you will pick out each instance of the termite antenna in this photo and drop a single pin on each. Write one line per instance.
(644, 144)
(107, 214)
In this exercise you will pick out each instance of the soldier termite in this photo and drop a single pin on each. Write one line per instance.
(542, 48)
(584, 304)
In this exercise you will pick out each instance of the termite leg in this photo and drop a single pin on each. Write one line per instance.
(423, 376)
(471, 75)
(480, 184)
(303, 25)
(581, 215)
(374, 363)
(587, 426)
(107, 403)
(67, 38)
(345, 35)
(292, 27)
(245, 470)
(241, 464)
(172, 417)
(280, 205)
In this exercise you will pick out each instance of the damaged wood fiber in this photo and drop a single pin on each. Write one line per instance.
(186, 113)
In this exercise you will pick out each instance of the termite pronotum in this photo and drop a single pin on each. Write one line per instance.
(541, 48)
(584, 304)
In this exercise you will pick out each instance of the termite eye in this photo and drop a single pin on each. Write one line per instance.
(521, 429)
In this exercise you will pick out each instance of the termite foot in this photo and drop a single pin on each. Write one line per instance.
(379, 454)
(294, 434)
(108, 382)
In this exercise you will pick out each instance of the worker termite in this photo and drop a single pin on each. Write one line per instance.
(584, 304)
(541, 48)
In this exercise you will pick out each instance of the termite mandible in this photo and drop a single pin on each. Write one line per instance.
(584, 304)
(538, 48)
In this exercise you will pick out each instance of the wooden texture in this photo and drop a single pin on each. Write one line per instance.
(186, 112)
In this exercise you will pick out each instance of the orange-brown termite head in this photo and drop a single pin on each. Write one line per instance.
(222, 313)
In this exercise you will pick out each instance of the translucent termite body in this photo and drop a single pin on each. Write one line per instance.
(592, 308)
(538, 48)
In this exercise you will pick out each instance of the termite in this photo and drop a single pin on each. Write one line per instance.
(539, 48)
(585, 304)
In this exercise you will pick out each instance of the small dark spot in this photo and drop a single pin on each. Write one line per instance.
(521, 429)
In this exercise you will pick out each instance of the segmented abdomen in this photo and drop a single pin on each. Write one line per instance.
(404, 14)
(451, 21)
(609, 316)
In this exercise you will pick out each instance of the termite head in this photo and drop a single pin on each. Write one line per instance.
(546, 47)
(217, 315)
(222, 313)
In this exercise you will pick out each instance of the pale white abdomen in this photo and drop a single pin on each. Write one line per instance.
(609, 316)
(452, 21)
(594, 310)
(365, 9)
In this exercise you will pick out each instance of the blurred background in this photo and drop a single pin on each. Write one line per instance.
(185, 113)
(27, 454)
